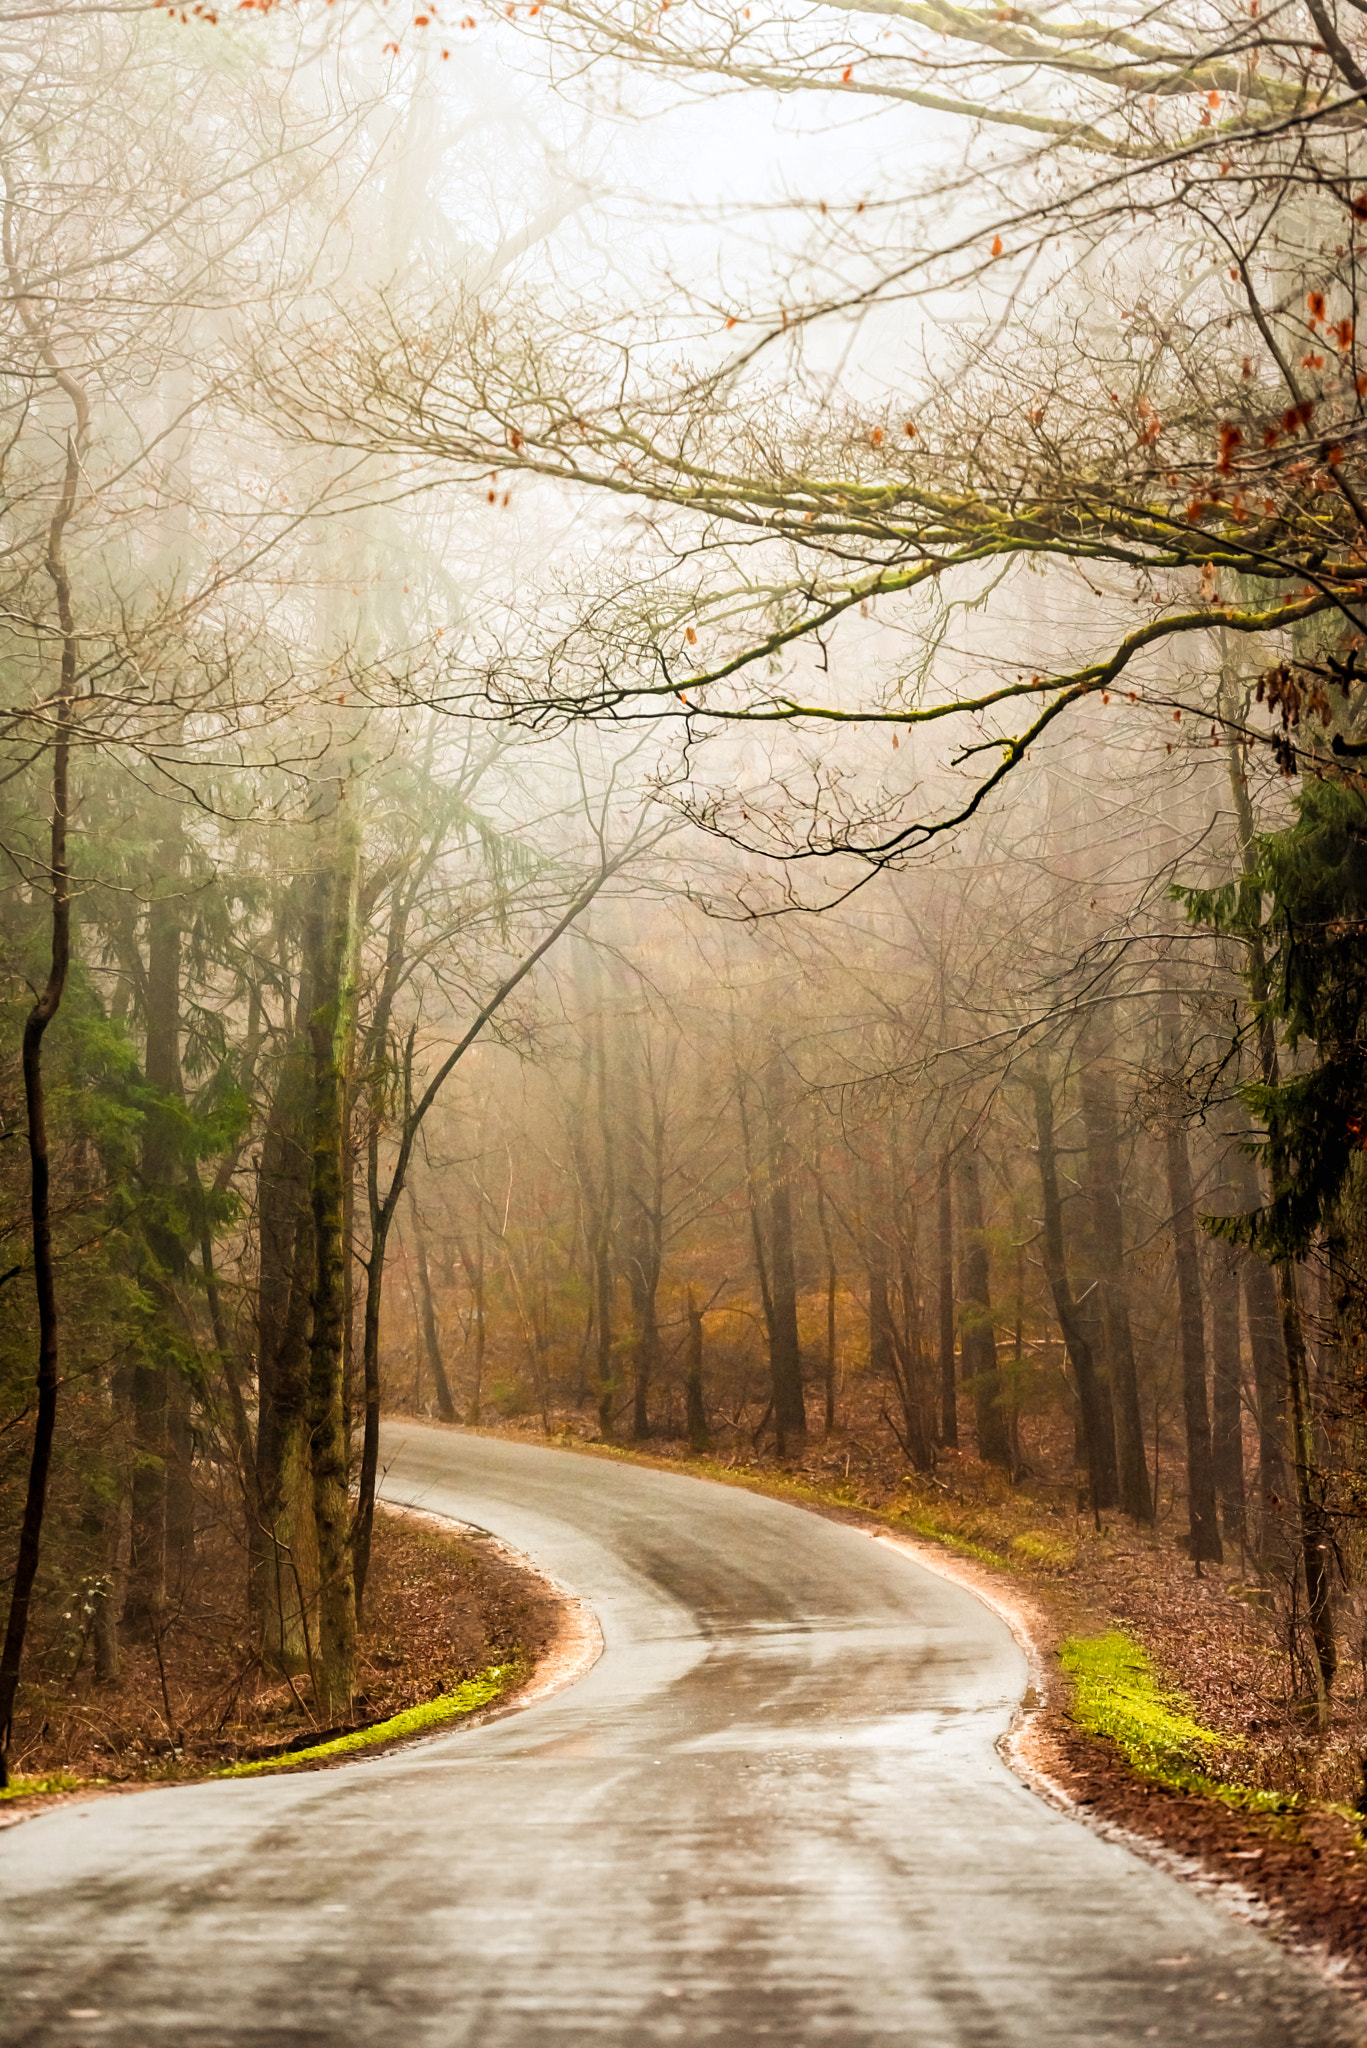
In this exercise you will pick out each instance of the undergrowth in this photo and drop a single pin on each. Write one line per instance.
(1117, 1693)
(475, 1692)
(26, 1788)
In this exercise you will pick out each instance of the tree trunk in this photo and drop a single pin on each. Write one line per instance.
(35, 1103)
(978, 1340)
(1104, 1185)
(698, 1439)
(162, 1529)
(1205, 1543)
(1098, 1426)
(474, 1274)
(239, 1424)
(1312, 1528)
(1316, 1531)
(145, 1597)
(446, 1407)
(881, 1363)
(283, 1554)
(602, 1246)
(1265, 1345)
(949, 1393)
(645, 1356)
(833, 1287)
(1227, 1425)
(334, 942)
(753, 1199)
(908, 1363)
(832, 1290)
(785, 1357)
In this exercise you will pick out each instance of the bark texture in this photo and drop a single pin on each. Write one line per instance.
(333, 940)
(1223, 1274)
(1098, 1427)
(696, 1412)
(1104, 1185)
(785, 1357)
(944, 1216)
(1203, 1524)
(978, 1339)
(35, 1097)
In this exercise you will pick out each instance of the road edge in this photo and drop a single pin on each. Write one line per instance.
(577, 1648)
(1031, 1748)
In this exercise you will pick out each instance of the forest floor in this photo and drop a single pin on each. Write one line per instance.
(442, 1611)
(1257, 1799)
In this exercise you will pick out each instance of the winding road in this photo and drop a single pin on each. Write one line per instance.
(772, 1812)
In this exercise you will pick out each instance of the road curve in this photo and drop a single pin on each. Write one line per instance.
(771, 1813)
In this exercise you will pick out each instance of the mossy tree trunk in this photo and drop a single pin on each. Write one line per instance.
(283, 1549)
(161, 1427)
(333, 944)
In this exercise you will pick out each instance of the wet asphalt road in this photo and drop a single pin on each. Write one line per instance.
(771, 1813)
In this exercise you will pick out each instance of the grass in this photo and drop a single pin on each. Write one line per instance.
(1118, 1693)
(936, 1532)
(475, 1692)
(1051, 1553)
(25, 1788)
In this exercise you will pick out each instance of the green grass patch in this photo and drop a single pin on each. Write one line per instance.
(1117, 1693)
(475, 1692)
(59, 1781)
(936, 1532)
(1055, 1553)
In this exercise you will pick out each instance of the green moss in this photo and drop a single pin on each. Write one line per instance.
(1055, 1553)
(1117, 1693)
(926, 1525)
(475, 1692)
(59, 1781)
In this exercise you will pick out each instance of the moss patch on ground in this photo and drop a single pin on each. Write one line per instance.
(479, 1691)
(56, 1781)
(1117, 1693)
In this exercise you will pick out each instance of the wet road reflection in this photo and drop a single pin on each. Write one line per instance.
(771, 1812)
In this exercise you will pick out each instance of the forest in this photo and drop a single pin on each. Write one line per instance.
(681, 770)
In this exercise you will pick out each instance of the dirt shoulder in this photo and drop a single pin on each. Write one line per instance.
(452, 1615)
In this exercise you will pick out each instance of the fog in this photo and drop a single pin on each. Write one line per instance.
(681, 720)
